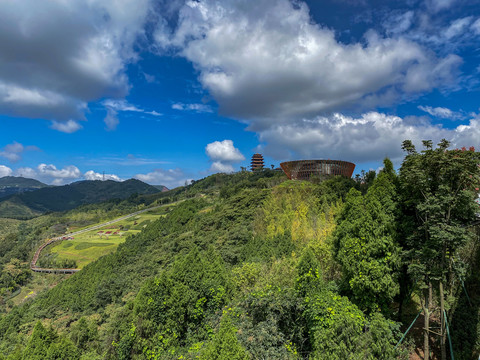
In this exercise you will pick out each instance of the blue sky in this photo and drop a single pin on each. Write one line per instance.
(167, 91)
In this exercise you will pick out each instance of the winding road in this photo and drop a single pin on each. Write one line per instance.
(33, 264)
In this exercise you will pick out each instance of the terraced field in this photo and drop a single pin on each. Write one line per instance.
(91, 245)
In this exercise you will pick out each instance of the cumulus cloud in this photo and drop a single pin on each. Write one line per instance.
(52, 69)
(50, 174)
(13, 152)
(5, 171)
(267, 61)
(199, 108)
(223, 154)
(360, 139)
(170, 178)
(58, 176)
(441, 112)
(224, 151)
(92, 175)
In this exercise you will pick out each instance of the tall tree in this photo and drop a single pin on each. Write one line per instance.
(438, 189)
(366, 243)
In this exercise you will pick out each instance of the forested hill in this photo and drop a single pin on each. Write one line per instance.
(10, 185)
(21, 182)
(255, 266)
(60, 198)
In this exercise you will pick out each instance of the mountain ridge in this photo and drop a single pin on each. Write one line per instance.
(67, 197)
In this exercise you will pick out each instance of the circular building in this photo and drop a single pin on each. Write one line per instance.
(306, 169)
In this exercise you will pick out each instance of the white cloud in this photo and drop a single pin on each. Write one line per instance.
(441, 112)
(170, 178)
(219, 167)
(53, 69)
(14, 151)
(223, 154)
(457, 27)
(399, 23)
(437, 5)
(199, 108)
(58, 176)
(111, 120)
(69, 126)
(50, 174)
(123, 105)
(26, 172)
(92, 175)
(120, 105)
(115, 106)
(224, 151)
(5, 171)
(268, 61)
(476, 26)
(360, 139)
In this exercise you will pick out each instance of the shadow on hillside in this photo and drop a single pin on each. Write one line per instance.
(465, 317)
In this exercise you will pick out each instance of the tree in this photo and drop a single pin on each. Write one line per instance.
(366, 245)
(438, 190)
(224, 344)
(39, 343)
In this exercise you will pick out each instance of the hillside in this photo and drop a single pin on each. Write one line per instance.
(10, 185)
(244, 266)
(61, 198)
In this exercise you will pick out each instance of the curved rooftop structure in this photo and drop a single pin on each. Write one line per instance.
(305, 169)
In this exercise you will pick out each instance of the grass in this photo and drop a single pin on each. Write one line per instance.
(39, 283)
(88, 247)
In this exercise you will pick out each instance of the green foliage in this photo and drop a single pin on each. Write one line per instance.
(46, 344)
(224, 344)
(84, 334)
(177, 304)
(39, 343)
(339, 330)
(309, 279)
(366, 243)
(271, 323)
(62, 350)
(439, 192)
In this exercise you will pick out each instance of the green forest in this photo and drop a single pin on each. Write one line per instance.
(252, 265)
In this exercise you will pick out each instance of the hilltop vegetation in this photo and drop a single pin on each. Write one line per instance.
(10, 185)
(254, 266)
(60, 198)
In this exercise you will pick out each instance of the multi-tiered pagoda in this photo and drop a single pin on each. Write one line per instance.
(257, 162)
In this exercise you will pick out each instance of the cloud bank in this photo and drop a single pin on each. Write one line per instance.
(52, 69)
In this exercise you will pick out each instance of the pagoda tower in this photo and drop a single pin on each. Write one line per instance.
(257, 162)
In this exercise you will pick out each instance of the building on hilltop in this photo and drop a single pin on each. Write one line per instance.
(257, 162)
(306, 169)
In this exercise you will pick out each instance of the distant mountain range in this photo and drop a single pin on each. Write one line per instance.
(59, 198)
(10, 185)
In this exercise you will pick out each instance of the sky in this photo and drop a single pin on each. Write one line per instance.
(168, 91)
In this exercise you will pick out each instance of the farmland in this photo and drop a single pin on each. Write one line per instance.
(91, 245)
